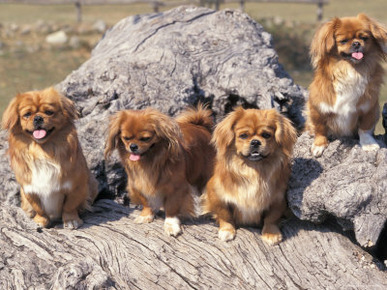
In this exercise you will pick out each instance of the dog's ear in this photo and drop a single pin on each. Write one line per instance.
(167, 129)
(285, 133)
(378, 30)
(224, 134)
(68, 106)
(11, 115)
(323, 41)
(113, 138)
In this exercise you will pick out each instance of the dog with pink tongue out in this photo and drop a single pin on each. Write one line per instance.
(347, 55)
(168, 161)
(47, 158)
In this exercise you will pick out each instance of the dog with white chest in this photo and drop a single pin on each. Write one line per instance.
(47, 159)
(346, 54)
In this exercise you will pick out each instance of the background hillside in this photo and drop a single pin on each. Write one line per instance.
(28, 62)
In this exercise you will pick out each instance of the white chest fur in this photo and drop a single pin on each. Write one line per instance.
(253, 195)
(349, 86)
(47, 185)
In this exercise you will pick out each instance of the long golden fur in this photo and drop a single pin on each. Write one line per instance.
(167, 161)
(346, 54)
(47, 158)
(251, 172)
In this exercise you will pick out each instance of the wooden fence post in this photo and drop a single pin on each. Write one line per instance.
(78, 7)
(320, 10)
(217, 5)
(242, 5)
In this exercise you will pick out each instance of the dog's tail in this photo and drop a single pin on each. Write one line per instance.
(200, 116)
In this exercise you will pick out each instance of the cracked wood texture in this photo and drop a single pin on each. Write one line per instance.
(110, 251)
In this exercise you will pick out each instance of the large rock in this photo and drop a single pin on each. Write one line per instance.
(347, 183)
(169, 61)
(173, 59)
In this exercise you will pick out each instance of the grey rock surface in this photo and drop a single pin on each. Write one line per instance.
(173, 59)
(346, 183)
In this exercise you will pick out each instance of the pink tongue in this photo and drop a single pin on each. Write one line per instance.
(39, 134)
(134, 157)
(357, 55)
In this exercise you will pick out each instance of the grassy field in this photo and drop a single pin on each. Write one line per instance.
(21, 69)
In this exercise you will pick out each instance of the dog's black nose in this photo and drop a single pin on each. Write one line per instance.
(255, 143)
(356, 44)
(38, 120)
(133, 147)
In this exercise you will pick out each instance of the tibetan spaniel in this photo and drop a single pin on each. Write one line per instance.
(251, 172)
(47, 158)
(168, 161)
(346, 54)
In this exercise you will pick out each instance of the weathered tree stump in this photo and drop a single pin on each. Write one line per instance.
(111, 251)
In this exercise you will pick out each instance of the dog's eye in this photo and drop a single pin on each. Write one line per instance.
(27, 115)
(145, 139)
(127, 138)
(243, 136)
(344, 41)
(364, 38)
(49, 113)
(266, 135)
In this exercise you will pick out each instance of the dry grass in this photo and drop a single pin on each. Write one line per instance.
(21, 70)
(28, 71)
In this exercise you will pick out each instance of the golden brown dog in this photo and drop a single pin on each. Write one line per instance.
(251, 172)
(47, 158)
(346, 54)
(167, 161)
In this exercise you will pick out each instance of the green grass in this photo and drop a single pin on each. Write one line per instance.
(22, 70)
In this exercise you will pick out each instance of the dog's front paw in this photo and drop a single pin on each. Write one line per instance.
(272, 239)
(172, 226)
(71, 220)
(226, 234)
(370, 147)
(367, 142)
(317, 150)
(41, 221)
(271, 234)
(144, 219)
(73, 224)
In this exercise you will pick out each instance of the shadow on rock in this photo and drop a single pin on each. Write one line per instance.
(304, 172)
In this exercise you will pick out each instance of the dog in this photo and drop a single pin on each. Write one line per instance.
(251, 172)
(346, 54)
(168, 161)
(47, 158)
